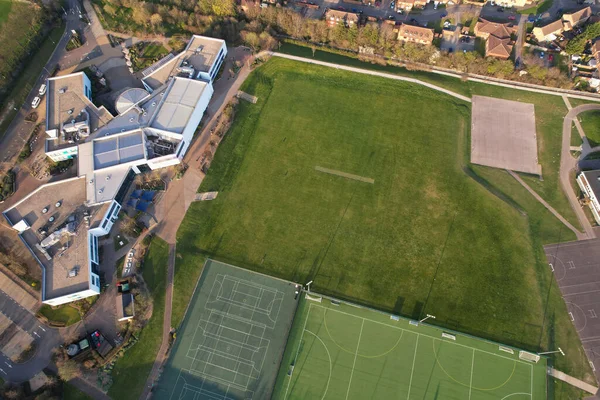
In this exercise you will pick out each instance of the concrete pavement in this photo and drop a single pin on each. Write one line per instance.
(568, 164)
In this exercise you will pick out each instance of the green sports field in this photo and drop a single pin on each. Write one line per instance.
(359, 183)
(344, 352)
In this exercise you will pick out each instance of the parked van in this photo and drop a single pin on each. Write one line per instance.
(42, 90)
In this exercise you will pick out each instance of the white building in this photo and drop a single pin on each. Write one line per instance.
(61, 222)
(589, 182)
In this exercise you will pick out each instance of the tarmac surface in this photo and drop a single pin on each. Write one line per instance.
(576, 267)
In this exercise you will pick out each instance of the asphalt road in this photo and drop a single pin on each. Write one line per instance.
(15, 137)
(45, 339)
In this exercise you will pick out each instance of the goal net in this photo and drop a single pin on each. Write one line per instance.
(523, 355)
(318, 299)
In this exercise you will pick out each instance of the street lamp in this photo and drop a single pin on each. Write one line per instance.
(552, 352)
(428, 316)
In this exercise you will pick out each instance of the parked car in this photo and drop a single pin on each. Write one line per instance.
(42, 90)
(393, 5)
(542, 54)
(36, 102)
(512, 17)
(500, 9)
(531, 18)
(414, 21)
(444, 14)
(551, 57)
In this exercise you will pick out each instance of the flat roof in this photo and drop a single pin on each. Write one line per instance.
(66, 99)
(593, 178)
(503, 135)
(200, 53)
(118, 149)
(178, 104)
(71, 251)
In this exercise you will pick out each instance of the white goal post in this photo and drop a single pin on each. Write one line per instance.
(531, 357)
(318, 299)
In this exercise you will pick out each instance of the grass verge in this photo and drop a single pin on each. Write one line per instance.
(70, 392)
(131, 371)
(64, 314)
(590, 122)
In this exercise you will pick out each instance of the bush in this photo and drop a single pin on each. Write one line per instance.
(578, 44)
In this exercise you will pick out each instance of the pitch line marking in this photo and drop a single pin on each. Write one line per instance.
(330, 363)
(355, 356)
(412, 371)
(471, 382)
(297, 351)
(514, 394)
(360, 355)
(423, 334)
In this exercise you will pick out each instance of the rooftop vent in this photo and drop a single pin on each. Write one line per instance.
(100, 191)
(107, 177)
(62, 90)
(70, 112)
(153, 103)
(91, 181)
(131, 119)
(73, 273)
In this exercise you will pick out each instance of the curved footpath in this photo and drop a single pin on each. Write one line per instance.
(568, 164)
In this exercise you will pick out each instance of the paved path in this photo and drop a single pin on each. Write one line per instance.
(580, 236)
(374, 73)
(568, 164)
(572, 381)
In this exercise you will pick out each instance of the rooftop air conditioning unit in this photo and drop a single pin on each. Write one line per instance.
(153, 103)
(131, 119)
(70, 112)
(62, 90)
(91, 181)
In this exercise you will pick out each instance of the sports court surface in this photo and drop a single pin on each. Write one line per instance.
(232, 339)
(503, 135)
(341, 351)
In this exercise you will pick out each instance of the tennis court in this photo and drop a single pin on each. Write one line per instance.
(232, 339)
(340, 351)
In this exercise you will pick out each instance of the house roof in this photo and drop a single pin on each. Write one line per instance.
(498, 47)
(578, 16)
(552, 27)
(335, 14)
(593, 178)
(494, 28)
(415, 32)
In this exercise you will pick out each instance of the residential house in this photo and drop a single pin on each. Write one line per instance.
(576, 18)
(549, 32)
(498, 38)
(498, 47)
(408, 5)
(415, 34)
(335, 17)
(589, 182)
(514, 3)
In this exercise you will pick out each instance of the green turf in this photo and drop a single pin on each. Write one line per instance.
(70, 392)
(590, 122)
(232, 338)
(5, 7)
(381, 243)
(131, 371)
(64, 314)
(344, 352)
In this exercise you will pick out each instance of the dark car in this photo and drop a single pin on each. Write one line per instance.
(500, 9)
(414, 21)
(531, 18)
(444, 14)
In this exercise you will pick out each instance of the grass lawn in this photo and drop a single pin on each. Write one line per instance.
(5, 7)
(131, 371)
(590, 122)
(541, 7)
(549, 110)
(70, 392)
(155, 50)
(424, 238)
(27, 78)
(575, 138)
(61, 314)
(185, 279)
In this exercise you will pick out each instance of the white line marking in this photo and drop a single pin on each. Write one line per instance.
(297, 351)
(1, 370)
(471, 382)
(514, 394)
(412, 371)
(531, 368)
(42, 329)
(330, 363)
(355, 356)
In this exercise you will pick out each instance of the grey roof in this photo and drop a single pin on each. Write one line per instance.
(118, 149)
(129, 98)
(593, 178)
(178, 105)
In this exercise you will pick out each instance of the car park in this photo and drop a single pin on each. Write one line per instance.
(36, 102)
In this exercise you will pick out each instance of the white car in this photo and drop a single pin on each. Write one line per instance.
(42, 90)
(36, 102)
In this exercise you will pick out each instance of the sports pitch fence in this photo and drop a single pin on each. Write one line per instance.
(340, 351)
(232, 339)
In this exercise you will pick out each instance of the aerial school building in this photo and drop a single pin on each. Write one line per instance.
(60, 222)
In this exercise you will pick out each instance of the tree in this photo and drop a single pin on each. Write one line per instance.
(219, 8)
(156, 20)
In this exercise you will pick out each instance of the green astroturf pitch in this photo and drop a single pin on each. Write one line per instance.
(232, 339)
(345, 352)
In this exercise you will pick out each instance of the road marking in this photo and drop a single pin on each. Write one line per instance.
(1, 370)
(42, 328)
(9, 366)
(36, 334)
